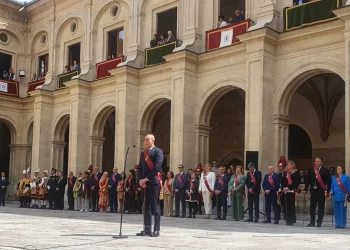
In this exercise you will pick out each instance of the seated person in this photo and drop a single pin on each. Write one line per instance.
(230, 20)
(221, 22)
(76, 66)
(41, 77)
(161, 40)
(5, 75)
(239, 16)
(11, 75)
(34, 78)
(154, 41)
(170, 37)
(66, 69)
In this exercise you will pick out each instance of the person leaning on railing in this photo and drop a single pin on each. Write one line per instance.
(154, 41)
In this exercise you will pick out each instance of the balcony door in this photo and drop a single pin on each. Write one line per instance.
(43, 64)
(227, 8)
(5, 63)
(167, 20)
(115, 43)
(73, 54)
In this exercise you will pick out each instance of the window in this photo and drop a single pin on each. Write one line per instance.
(227, 8)
(114, 11)
(166, 21)
(115, 43)
(5, 63)
(4, 37)
(43, 63)
(73, 27)
(73, 54)
(43, 39)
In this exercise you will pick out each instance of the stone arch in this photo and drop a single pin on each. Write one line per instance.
(142, 5)
(150, 111)
(299, 74)
(60, 127)
(36, 37)
(11, 124)
(229, 157)
(101, 6)
(211, 97)
(63, 20)
(100, 119)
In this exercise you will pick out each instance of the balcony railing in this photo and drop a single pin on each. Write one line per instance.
(225, 36)
(61, 79)
(9, 88)
(155, 55)
(103, 67)
(32, 85)
(309, 13)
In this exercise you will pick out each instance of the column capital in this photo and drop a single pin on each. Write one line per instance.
(203, 129)
(20, 146)
(97, 139)
(281, 119)
(58, 144)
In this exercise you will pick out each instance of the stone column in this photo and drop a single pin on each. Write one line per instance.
(42, 129)
(51, 77)
(96, 150)
(183, 105)
(79, 125)
(280, 129)
(202, 147)
(127, 94)
(18, 162)
(57, 155)
(259, 97)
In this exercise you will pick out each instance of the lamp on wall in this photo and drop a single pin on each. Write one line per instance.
(22, 73)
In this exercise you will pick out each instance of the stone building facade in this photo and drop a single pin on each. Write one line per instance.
(202, 106)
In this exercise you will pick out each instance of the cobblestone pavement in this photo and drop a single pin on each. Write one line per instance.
(22, 228)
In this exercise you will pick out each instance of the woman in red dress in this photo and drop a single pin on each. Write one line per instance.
(103, 202)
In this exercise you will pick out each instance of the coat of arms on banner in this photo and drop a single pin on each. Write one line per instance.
(226, 38)
(3, 87)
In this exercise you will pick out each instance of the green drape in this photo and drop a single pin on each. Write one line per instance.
(65, 78)
(155, 55)
(309, 13)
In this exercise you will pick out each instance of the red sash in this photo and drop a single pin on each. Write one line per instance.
(70, 182)
(319, 179)
(121, 185)
(206, 183)
(222, 184)
(289, 178)
(236, 181)
(169, 187)
(96, 178)
(148, 160)
(179, 178)
(252, 177)
(114, 179)
(272, 183)
(341, 185)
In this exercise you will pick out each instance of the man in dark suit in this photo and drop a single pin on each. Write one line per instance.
(271, 184)
(320, 185)
(170, 37)
(60, 190)
(51, 186)
(4, 182)
(112, 184)
(220, 191)
(94, 184)
(253, 183)
(71, 181)
(151, 160)
(299, 2)
(180, 184)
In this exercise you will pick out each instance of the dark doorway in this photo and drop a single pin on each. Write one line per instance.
(5, 63)
(299, 147)
(66, 151)
(115, 43)
(228, 8)
(167, 20)
(74, 54)
(108, 144)
(43, 64)
(234, 162)
(5, 141)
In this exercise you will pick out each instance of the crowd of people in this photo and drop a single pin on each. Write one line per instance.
(9, 76)
(210, 186)
(69, 69)
(36, 78)
(239, 16)
(162, 39)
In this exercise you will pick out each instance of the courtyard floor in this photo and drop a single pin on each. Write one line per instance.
(22, 228)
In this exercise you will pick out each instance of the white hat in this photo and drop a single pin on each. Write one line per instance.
(24, 171)
(37, 171)
(28, 170)
(45, 171)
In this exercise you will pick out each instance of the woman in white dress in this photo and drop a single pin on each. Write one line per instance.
(206, 188)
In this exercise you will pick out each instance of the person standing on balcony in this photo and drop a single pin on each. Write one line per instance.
(11, 75)
(154, 41)
(170, 38)
(239, 16)
(76, 66)
(34, 79)
(221, 22)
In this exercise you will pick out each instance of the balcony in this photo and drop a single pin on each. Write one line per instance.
(102, 68)
(225, 36)
(32, 85)
(9, 88)
(63, 78)
(309, 13)
(154, 56)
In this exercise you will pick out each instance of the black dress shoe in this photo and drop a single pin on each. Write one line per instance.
(276, 222)
(266, 222)
(143, 233)
(256, 221)
(183, 216)
(176, 216)
(223, 218)
(319, 225)
(155, 234)
(310, 225)
(217, 218)
(189, 216)
(249, 220)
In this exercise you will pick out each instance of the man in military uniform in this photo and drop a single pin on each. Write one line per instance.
(94, 185)
(59, 192)
(51, 187)
(253, 183)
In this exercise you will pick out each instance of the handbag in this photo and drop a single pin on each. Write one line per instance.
(161, 195)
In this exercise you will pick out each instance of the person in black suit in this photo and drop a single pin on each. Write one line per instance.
(51, 186)
(71, 181)
(320, 186)
(298, 2)
(151, 160)
(253, 183)
(180, 184)
(4, 182)
(170, 37)
(60, 190)
(220, 191)
(94, 185)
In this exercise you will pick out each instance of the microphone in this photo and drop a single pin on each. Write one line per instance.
(134, 146)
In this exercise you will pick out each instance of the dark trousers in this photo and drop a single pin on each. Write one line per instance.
(152, 207)
(180, 197)
(113, 201)
(130, 201)
(59, 200)
(51, 194)
(94, 199)
(317, 198)
(200, 204)
(139, 202)
(253, 199)
(70, 199)
(161, 204)
(193, 207)
(290, 208)
(221, 201)
(271, 200)
(2, 196)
